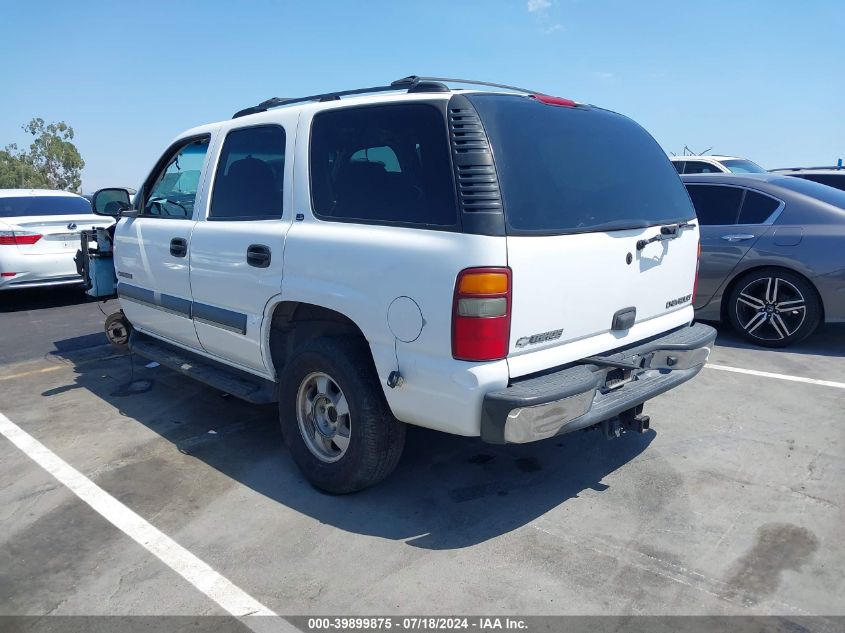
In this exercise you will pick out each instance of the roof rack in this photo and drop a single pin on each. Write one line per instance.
(411, 83)
(833, 167)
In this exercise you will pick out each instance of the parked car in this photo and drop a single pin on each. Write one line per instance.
(365, 262)
(715, 165)
(772, 260)
(830, 176)
(39, 235)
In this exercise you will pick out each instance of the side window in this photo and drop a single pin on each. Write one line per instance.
(714, 204)
(678, 165)
(700, 167)
(756, 208)
(386, 164)
(250, 177)
(174, 187)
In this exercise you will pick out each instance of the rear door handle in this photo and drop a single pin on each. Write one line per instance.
(258, 255)
(738, 237)
(178, 247)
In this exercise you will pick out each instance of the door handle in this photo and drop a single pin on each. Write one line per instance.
(258, 255)
(178, 247)
(738, 237)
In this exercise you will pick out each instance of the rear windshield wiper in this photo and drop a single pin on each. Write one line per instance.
(667, 232)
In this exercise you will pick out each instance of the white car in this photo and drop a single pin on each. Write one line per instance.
(461, 260)
(39, 236)
(715, 165)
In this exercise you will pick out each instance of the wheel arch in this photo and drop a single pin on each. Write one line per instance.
(292, 322)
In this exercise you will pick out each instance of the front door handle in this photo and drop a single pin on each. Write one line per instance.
(178, 247)
(258, 255)
(738, 237)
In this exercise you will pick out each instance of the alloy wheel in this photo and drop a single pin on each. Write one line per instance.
(322, 413)
(770, 309)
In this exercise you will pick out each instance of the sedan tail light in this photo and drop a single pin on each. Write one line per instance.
(17, 238)
(481, 314)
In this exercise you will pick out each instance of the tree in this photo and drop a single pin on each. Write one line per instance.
(52, 162)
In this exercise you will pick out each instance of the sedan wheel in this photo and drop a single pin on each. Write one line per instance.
(774, 308)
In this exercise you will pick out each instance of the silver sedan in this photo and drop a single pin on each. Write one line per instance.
(772, 254)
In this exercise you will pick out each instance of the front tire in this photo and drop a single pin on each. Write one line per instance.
(773, 307)
(334, 418)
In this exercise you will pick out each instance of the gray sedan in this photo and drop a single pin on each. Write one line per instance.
(772, 254)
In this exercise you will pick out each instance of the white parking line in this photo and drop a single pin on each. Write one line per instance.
(767, 374)
(211, 583)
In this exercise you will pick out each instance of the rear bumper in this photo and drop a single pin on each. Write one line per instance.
(576, 397)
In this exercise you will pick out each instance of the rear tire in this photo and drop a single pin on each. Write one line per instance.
(774, 307)
(334, 418)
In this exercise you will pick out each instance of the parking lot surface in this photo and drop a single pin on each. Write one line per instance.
(731, 504)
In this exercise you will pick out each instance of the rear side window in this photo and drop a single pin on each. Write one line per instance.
(715, 204)
(18, 207)
(559, 168)
(382, 164)
(700, 167)
(678, 165)
(249, 183)
(757, 208)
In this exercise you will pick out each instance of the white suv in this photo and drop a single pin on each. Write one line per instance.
(459, 260)
(715, 165)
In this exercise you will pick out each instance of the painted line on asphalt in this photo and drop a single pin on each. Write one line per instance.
(767, 374)
(32, 372)
(214, 585)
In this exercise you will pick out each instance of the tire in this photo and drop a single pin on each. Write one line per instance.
(118, 328)
(357, 445)
(773, 307)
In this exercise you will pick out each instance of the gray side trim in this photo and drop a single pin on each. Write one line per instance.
(211, 315)
(220, 317)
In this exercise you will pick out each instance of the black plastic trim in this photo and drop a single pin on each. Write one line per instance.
(220, 317)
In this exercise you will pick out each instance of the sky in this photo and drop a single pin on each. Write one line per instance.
(760, 79)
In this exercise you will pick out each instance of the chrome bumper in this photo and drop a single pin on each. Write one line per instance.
(584, 394)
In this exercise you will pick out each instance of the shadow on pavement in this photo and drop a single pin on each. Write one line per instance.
(40, 298)
(448, 492)
(827, 340)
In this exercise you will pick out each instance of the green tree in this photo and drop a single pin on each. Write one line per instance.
(52, 162)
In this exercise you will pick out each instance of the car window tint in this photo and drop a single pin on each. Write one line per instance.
(700, 167)
(715, 204)
(831, 180)
(554, 168)
(382, 164)
(678, 165)
(17, 207)
(174, 189)
(756, 208)
(250, 175)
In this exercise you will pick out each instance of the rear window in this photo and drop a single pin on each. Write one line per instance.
(833, 196)
(43, 205)
(831, 180)
(575, 170)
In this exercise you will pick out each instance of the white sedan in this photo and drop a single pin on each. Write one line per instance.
(39, 236)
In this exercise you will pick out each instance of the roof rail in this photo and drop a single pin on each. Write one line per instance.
(412, 83)
(833, 167)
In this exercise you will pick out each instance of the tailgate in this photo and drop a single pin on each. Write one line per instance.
(567, 289)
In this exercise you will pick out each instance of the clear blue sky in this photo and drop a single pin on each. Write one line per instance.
(762, 79)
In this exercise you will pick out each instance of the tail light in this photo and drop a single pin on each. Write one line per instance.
(481, 314)
(697, 266)
(17, 238)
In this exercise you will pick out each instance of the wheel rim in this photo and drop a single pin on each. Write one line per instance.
(322, 413)
(770, 309)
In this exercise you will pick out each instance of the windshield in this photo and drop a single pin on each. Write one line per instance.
(575, 170)
(741, 166)
(43, 205)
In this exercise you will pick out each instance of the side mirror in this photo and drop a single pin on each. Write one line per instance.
(111, 202)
